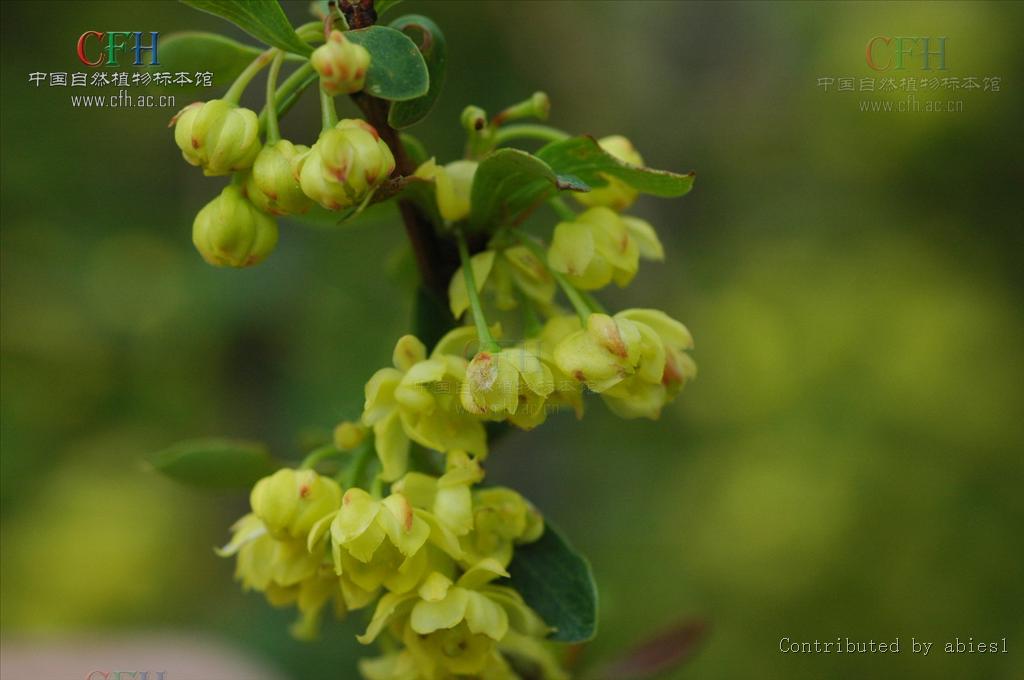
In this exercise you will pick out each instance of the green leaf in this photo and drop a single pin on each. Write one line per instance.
(432, 45)
(195, 51)
(262, 19)
(510, 182)
(382, 6)
(582, 157)
(215, 463)
(557, 583)
(397, 70)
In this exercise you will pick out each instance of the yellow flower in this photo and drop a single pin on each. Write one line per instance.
(264, 560)
(507, 383)
(505, 275)
(289, 502)
(616, 195)
(568, 393)
(502, 519)
(453, 184)
(363, 523)
(664, 369)
(387, 542)
(635, 360)
(602, 354)
(448, 497)
(288, 574)
(454, 627)
(416, 400)
(600, 246)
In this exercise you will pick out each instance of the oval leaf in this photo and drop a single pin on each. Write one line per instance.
(382, 6)
(195, 51)
(397, 70)
(262, 19)
(510, 182)
(582, 157)
(557, 583)
(215, 463)
(431, 44)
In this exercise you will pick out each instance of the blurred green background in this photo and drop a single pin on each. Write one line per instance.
(849, 462)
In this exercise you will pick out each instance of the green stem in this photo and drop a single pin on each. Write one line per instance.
(234, 92)
(483, 333)
(545, 133)
(593, 302)
(575, 296)
(311, 31)
(318, 455)
(360, 459)
(289, 91)
(564, 212)
(273, 131)
(328, 114)
(377, 487)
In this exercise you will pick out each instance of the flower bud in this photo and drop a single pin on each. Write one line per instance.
(595, 249)
(290, 502)
(218, 136)
(230, 232)
(346, 162)
(273, 186)
(342, 64)
(502, 518)
(473, 118)
(452, 183)
(348, 435)
(616, 195)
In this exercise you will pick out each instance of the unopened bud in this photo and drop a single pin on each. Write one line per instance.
(230, 232)
(474, 118)
(273, 186)
(342, 64)
(348, 435)
(218, 136)
(345, 164)
(290, 502)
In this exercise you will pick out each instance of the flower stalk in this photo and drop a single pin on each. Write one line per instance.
(487, 341)
(273, 130)
(234, 93)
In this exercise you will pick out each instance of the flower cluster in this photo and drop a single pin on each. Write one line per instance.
(637, 360)
(272, 176)
(429, 555)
